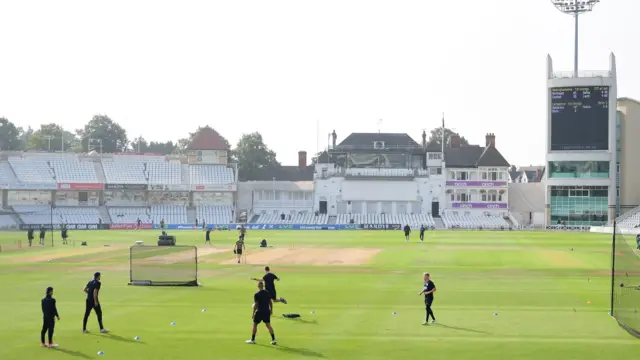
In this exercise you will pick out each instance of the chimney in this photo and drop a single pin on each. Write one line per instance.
(454, 141)
(490, 140)
(424, 139)
(333, 137)
(302, 159)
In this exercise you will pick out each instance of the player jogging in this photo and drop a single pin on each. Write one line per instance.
(422, 229)
(261, 312)
(407, 231)
(207, 238)
(269, 284)
(238, 248)
(49, 314)
(42, 232)
(30, 236)
(93, 302)
(428, 290)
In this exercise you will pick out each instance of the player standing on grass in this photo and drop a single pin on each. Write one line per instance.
(49, 316)
(407, 231)
(238, 248)
(261, 312)
(428, 290)
(422, 229)
(269, 284)
(93, 302)
(243, 231)
(64, 234)
(30, 235)
(207, 238)
(42, 232)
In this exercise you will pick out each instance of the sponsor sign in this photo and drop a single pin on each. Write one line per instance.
(569, 228)
(130, 226)
(29, 186)
(125, 186)
(473, 205)
(214, 187)
(475, 183)
(264, 227)
(174, 187)
(69, 226)
(139, 153)
(380, 226)
(80, 186)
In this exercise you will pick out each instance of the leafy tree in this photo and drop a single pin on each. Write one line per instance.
(252, 154)
(101, 130)
(513, 168)
(51, 137)
(436, 136)
(141, 145)
(10, 135)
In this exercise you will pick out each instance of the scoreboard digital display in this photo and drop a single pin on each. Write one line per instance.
(580, 118)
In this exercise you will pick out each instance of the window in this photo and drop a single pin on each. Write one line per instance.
(618, 192)
(462, 197)
(435, 156)
(462, 175)
(435, 170)
(484, 197)
(618, 168)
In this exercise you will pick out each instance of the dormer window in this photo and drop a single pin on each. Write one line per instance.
(378, 145)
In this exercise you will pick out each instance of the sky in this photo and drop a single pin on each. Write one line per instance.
(295, 70)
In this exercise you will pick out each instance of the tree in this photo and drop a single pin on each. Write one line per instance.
(252, 154)
(51, 137)
(436, 136)
(10, 135)
(141, 145)
(103, 133)
(513, 168)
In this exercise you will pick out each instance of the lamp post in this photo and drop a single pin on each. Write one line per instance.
(48, 137)
(575, 8)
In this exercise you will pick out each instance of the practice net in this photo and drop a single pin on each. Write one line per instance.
(163, 265)
(625, 292)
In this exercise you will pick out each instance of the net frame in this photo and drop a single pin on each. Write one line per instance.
(162, 264)
(625, 281)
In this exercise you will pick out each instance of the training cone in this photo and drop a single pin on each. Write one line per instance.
(588, 302)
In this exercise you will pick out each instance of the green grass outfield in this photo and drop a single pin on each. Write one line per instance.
(530, 279)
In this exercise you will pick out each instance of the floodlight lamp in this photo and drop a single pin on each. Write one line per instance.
(574, 7)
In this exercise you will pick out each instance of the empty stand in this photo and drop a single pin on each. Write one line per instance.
(171, 214)
(413, 220)
(379, 172)
(301, 217)
(124, 170)
(161, 171)
(41, 214)
(454, 219)
(6, 222)
(71, 169)
(129, 215)
(630, 219)
(214, 214)
(211, 174)
(31, 169)
(6, 174)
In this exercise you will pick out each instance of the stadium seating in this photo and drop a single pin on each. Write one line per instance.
(211, 174)
(124, 170)
(454, 219)
(30, 169)
(7, 222)
(630, 219)
(303, 217)
(129, 215)
(413, 220)
(41, 214)
(6, 175)
(214, 214)
(171, 214)
(72, 169)
(161, 171)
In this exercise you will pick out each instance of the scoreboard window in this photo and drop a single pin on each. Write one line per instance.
(580, 118)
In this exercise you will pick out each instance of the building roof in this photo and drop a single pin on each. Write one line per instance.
(208, 139)
(474, 156)
(434, 146)
(366, 140)
(629, 99)
(280, 173)
(514, 175)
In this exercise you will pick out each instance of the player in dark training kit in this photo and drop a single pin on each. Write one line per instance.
(49, 316)
(269, 280)
(261, 312)
(407, 231)
(42, 232)
(238, 248)
(64, 234)
(207, 238)
(93, 302)
(428, 290)
(30, 236)
(422, 229)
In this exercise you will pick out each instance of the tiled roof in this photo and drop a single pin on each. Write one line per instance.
(474, 156)
(389, 139)
(208, 139)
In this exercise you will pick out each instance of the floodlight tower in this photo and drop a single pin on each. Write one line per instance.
(575, 8)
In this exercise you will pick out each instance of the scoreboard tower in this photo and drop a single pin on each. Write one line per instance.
(580, 180)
